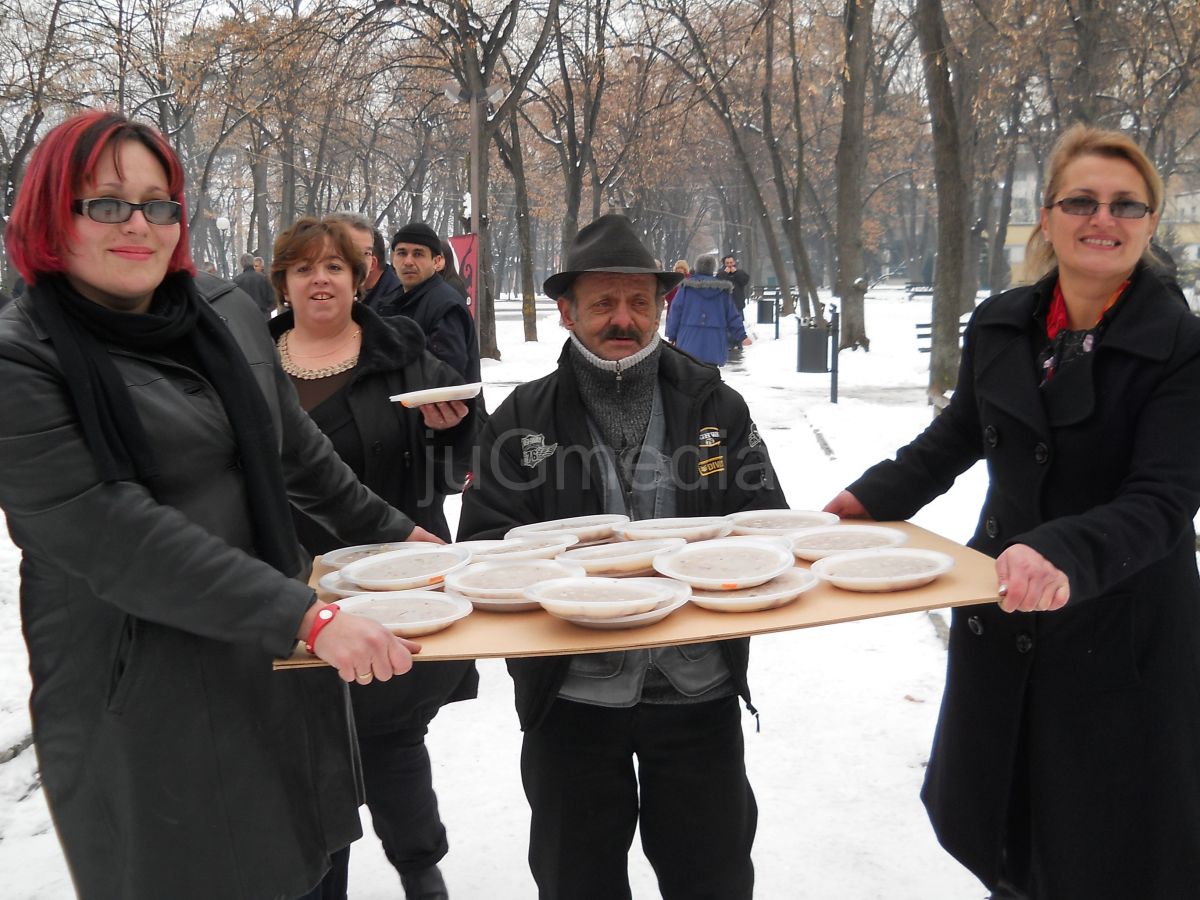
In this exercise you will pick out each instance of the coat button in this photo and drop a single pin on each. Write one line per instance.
(1041, 453)
(377, 447)
(975, 624)
(990, 436)
(1024, 643)
(992, 526)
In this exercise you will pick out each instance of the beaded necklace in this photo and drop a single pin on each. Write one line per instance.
(297, 371)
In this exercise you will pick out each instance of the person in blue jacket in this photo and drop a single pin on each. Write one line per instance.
(703, 320)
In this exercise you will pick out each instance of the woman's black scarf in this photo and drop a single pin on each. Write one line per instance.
(178, 318)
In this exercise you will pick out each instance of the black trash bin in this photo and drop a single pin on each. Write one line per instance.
(812, 348)
(766, 311)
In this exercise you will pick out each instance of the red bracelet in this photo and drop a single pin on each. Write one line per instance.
(324, 617)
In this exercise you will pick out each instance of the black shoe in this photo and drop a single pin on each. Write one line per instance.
(425, 884)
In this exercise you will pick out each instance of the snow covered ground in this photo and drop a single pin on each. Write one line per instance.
(847, 711)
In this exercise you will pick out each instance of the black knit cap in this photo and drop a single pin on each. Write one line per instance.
(418, 233)
(609, 244)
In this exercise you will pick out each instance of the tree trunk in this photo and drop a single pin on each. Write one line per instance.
(810, 304)
(951, 198)
(850, 164)
(485, 306)
(516, 166)
(262, 210)
(1000, 276)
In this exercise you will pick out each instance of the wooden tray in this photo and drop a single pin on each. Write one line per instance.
(485, 634)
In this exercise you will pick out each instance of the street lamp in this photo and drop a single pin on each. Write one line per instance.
(456, 93)
(222, 224)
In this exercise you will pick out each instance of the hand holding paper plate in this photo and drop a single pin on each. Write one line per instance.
(438, 394)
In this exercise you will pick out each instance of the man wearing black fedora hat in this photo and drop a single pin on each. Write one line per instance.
(627, 424)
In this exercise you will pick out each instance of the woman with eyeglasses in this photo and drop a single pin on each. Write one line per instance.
(1066, 762)
(150, 447)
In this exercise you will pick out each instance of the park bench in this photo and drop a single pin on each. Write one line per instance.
(925, 333)
(918, 289)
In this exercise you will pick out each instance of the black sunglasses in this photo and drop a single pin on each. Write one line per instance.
(111, 211)
(1086, 206)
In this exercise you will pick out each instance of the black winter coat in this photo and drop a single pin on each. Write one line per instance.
(536, 464)
(1098, 704)
(386, 292)
(176, 763)
(258, 287)
(443, 315)
(411, 467)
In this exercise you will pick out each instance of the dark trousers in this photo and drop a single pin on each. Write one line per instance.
(404, 808)
(404, 811)
(333, 885)
(689, 793)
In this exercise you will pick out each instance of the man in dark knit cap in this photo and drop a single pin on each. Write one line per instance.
(429, 301)
(627, 424)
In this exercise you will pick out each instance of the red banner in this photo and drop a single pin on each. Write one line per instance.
(464, 246)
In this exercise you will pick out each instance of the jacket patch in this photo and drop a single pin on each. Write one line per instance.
(711, 466)
(710, 436)
(534, 449)
(753, 439)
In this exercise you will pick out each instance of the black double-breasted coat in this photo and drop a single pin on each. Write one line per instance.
(176, 763)
(1072, 738)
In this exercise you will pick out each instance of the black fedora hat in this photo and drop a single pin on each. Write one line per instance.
(608, 244)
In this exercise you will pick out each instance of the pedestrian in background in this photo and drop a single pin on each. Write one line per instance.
(256, 285)
(703, 320)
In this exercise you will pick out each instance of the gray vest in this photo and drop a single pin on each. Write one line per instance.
(688, 673)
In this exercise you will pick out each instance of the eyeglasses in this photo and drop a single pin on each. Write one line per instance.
(111, 211)
(1086, 206)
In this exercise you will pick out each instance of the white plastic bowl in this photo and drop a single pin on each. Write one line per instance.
(507, 579)
(417, 565)
(883, 570)
(779, 521)
(779, 591)
(624, 558)
(599, 598)
(817, 543)
(727, 564)
(589, 529)
(409, 613)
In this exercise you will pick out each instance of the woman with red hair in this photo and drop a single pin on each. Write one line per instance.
(150, 449)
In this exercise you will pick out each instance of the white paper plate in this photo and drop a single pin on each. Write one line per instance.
(727, 564)
(409, 613)
(599, 598)
(817, 543)
(779, 521)
(438, 394)
(660, 612)
(335, 559)
(621, 559)
(506, 579)
(883, 570)
(693, 528)
(491, 604)
(417, 564)
(589, 529)
(541, 547)
(779, 591)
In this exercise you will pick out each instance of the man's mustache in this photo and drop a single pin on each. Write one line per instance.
(617, 333)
